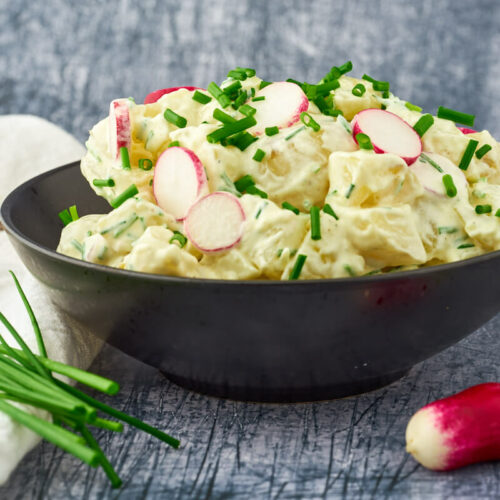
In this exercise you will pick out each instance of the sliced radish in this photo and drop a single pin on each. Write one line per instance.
(283, 103)
(118, 126)
(389, 133)
(154, 96)
(466, 130)
(432, 179)
(215, 222)
(179, 180)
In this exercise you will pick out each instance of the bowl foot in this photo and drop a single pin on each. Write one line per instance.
(287, 395)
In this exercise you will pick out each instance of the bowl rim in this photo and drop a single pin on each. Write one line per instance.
(10, 227)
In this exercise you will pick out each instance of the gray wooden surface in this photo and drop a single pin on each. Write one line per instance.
(66, 60)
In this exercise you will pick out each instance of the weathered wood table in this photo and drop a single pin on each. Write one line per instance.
(66, 60)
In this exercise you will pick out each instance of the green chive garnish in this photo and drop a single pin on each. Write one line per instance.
(483, 209)
(73, 212)
(329, 210)
(240, 100)
(456, 116)
(295, 132)
(364, 141)
(105, 182)
(468, 154)
(381, 86)
(449, 185)
(69, 215)
(255, 190)
(145, 164)
(259, 155)
(447, 229)
(272, 131)
(424, 123)
(260, 98)
(349, 191)
(128, 193)
(201, 97)
(297, 267)
(264, 84)
(412, 107)
(349, 270)
(237, 74)
(231, 129)
(289, 206)
(232, 88)
(179, 237)
(243, 183)
(174, 118)
(247, 110)
(358, 90)
(174, 144)
(125, 158)
(217, 92)
(466, 245)
(315, 223)
(223, 117)
(482, 151)
(497, 213)
(309, 121)
(242, 140)
(431, 162)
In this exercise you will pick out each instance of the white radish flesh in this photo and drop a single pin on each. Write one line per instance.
(118, 126)
(282, 105)
(215, 222)
(179, 180)
(388, 133)
(432, 179)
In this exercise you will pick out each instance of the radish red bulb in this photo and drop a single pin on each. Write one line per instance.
(459, 430)
(466, 130)
(179, 180)
(215, 222)
(389, 133)
(283, 103)
(118, 126)
(154, 96)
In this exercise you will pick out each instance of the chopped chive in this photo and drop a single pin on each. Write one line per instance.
(345, 68)
(232, 88)
(279, 252)
(79, 247)
(240, 100)
(349, 191)
(468, 154)
(106, 182)
(431, 162)
(413, 107)
(217, 92)
(368, 78)
(364, 141)
(270, 131)
(255, 190)
(259, 155)
(358, 90)
(65, 216)
(456, 116)
(264, 84)
(121, 198)
(237, 74)
(329, 210)
(289, 206)
(252, 92)
(260, 98)
(126, 225)
(125, 158)
(242, 140)
(231, 129)
(179, 237)
(295, 132)
(385, 95)
(73, 213)
(482, 151)
(259, 211)
(201, 97)
(223, 117)
(297, 267)
(309, 121)
(349, 270)
(381, 86)
(247, 110)
(466, 245)
(449, 185)
(243, 183)
(145, 164)
(249, 71)
(174, 118)
(483, 209)
(315, 223)
(497, 213)
(447, 229)
(174, 144)
(423, 124)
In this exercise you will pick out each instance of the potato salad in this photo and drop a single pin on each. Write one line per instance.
(285, 180)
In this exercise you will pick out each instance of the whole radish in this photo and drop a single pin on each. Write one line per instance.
(388, 133)
(457, 431)
(118, 126)
(154, 96)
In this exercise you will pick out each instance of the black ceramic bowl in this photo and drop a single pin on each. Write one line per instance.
(252, 340)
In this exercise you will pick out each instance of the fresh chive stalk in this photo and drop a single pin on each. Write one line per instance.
(230, 129)
(483, 209)
(449, 186)
(270, 131)
(468, 154)
(201, 97)
(222, 116)
(349, 191)
(309, 121)
(174, 144)
(423, 124)
(315, 223)
(125, 158)
(364, 142)
(121, 198)
(413, 107)
(358, 90)
(145, 164)
(431, 162)
(218, 94)
(180, 238)
(297, 267)
(329, 210)
(289, 206)
(482, 151)
(172, 117)
(106, 182)
(259, 155)
(456, 116)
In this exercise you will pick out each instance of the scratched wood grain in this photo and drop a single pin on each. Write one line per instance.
(66, 60)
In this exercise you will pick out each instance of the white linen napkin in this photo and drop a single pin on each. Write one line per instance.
(31, 145)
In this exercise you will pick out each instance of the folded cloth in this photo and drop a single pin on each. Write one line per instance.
(31, 145)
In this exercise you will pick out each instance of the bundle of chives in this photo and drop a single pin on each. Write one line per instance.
(28, 379)
(69, 215)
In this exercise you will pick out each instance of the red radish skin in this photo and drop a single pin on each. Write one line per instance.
(154, 96)
(215, 222)
(282, 106)
(459, 430)
(179, 180)
(466, 130)
(389, 133)
(118, 126)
